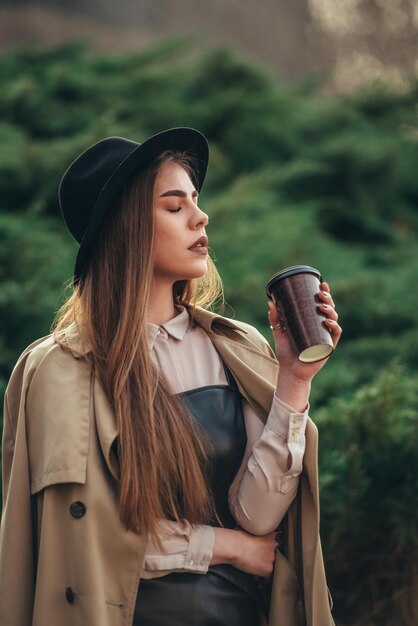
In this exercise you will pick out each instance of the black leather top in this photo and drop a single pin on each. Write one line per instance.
(218, 410)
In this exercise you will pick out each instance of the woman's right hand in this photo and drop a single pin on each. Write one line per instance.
(249, 553)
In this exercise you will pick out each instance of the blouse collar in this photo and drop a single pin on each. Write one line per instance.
(176, 327)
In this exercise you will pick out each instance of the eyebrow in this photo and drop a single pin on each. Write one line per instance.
(179, 193)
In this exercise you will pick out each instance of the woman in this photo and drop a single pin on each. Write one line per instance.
(150, 447)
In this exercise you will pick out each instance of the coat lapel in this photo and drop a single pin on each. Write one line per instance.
(107, 429)
(104, 415)
(255, 371)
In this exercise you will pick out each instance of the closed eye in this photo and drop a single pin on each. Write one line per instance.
(175, 210)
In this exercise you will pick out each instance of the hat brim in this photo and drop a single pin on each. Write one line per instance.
(181, 139)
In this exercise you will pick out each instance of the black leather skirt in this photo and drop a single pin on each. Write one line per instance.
(224, 596)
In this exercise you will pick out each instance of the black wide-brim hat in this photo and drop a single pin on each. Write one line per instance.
(92, 181)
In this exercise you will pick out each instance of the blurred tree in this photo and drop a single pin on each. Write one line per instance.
(369, 464)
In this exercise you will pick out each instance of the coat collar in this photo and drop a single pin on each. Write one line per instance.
(208, 320)
(74, 342)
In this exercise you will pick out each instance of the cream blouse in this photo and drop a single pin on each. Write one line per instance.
(264, 485)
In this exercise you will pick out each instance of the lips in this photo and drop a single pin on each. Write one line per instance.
(200, 246)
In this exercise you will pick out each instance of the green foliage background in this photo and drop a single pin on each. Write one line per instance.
(294, 178)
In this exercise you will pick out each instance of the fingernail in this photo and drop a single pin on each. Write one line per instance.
(325, 293)
(325, 306)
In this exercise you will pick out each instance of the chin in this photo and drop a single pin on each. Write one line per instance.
(195, 275)
(196, 272)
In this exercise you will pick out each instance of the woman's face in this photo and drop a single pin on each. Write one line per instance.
(179, 225)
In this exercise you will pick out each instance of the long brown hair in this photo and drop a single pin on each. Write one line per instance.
(161, 451)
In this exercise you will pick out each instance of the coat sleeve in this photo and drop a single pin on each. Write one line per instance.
(17, 558)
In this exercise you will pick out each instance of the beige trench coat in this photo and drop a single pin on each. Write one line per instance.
(66, 564)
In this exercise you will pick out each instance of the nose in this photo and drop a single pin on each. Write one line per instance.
(200, 219)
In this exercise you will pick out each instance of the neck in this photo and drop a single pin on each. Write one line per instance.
(161, 304)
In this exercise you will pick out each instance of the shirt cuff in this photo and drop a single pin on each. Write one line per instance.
(290, 425)
(286, 421)
(200, 551)
(190, 550)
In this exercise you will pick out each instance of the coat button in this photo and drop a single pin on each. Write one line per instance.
(78, 509)
(70, 595)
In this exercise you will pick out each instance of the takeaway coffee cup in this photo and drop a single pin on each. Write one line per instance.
(294, 291)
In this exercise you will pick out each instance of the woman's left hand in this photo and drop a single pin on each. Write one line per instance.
(285, 353)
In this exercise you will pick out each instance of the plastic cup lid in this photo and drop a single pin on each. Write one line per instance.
(291, 271)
